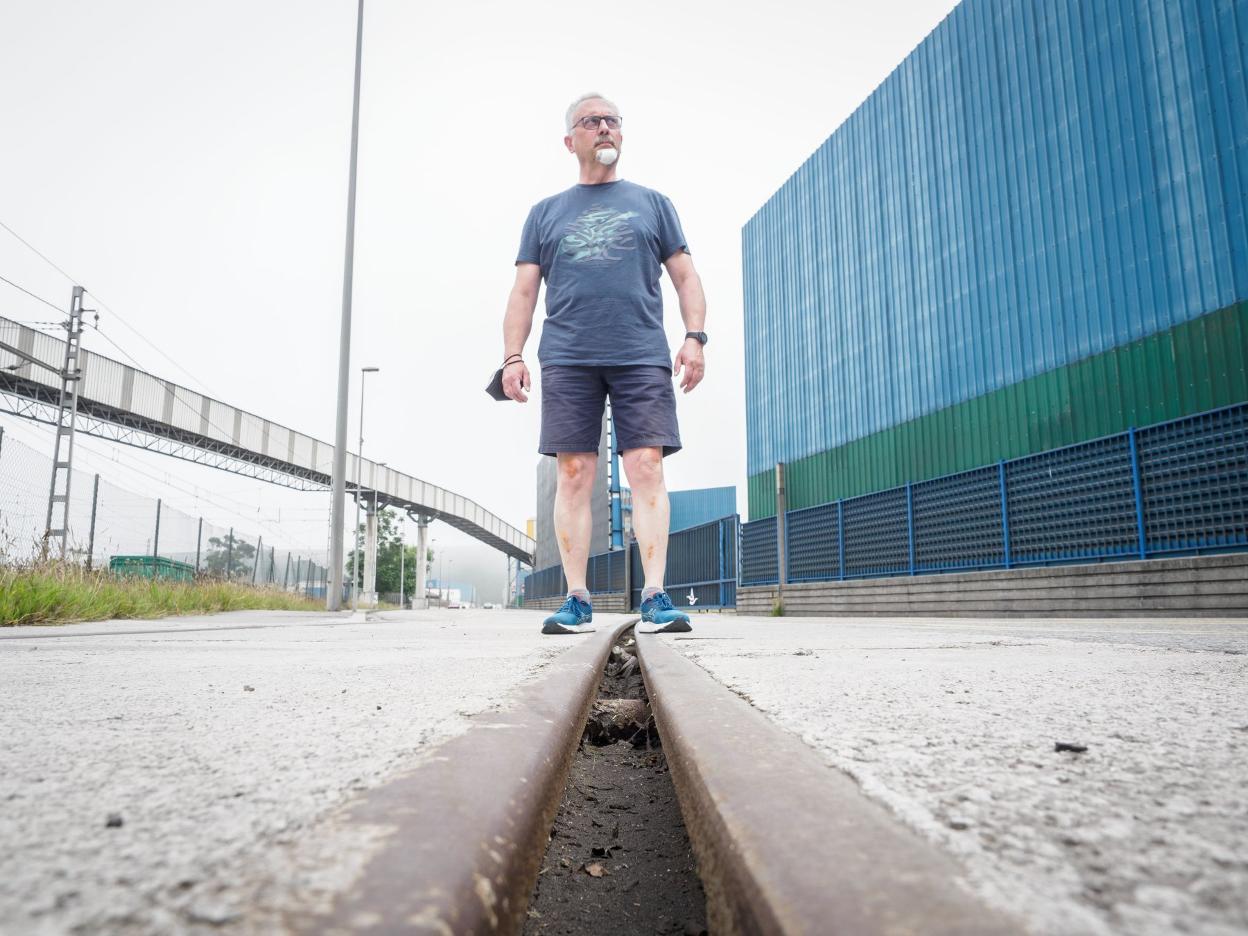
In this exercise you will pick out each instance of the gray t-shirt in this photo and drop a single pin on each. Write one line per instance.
(601, 250)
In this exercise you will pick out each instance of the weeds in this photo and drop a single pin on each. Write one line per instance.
(61, 593)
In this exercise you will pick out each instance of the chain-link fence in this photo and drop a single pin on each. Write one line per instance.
(109, 526)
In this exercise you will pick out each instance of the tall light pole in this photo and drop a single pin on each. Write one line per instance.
(355, 550)
(338, 499)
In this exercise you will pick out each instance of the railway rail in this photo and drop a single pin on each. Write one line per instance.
(784, 843)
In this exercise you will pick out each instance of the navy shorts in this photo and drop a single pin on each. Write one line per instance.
(643, 405)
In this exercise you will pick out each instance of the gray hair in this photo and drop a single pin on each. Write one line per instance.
(581, 100)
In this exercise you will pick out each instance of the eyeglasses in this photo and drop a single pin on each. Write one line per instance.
(591, 122)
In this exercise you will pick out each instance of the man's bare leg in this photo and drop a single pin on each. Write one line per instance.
(651, 511)
(573, 518)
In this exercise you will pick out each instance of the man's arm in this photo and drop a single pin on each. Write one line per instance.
(517, 323)
(693, 311)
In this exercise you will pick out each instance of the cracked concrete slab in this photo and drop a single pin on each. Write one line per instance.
(954, 726)
(168, 776)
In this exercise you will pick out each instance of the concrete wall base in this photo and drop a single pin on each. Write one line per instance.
(1212, 586)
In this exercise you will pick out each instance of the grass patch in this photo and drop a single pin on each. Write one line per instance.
(62, 593)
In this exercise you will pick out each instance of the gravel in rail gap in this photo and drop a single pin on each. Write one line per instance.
(619, 860)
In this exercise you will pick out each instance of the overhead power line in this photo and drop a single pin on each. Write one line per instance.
(174, 389)
(130, 357)
(103, 305)
(178, 392)
(49, 304)
(241, 511)
(35, 250)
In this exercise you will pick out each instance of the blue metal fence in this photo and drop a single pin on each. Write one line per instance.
(1193, 477)
(701, 562)
(605, 572)
(545, 583)
(1172, 488)
(806, 529)
(759, 562)
(957, 521)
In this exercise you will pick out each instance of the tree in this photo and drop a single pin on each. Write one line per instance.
(241, 557)
(388, 533)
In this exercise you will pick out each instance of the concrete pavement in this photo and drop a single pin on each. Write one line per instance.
(953, 726)
(163, 776)
(176, 775)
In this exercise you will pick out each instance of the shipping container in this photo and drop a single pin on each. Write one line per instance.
(1033, 233)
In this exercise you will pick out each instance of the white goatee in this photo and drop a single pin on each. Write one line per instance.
(607, 156)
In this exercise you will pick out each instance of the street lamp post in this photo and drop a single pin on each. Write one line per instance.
(339, 480)
(402, 523)
(355, 552)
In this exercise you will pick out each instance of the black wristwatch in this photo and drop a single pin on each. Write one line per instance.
(700, 336)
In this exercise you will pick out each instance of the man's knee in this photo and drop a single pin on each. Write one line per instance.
(644, 466)
(576, 471)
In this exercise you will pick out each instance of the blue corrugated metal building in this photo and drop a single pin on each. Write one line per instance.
(1032, 234)
(702, 505)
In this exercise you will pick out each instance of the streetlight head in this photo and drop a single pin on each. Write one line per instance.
(369, 370)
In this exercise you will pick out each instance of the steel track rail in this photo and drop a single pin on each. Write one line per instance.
(468, 827)
(785, 843)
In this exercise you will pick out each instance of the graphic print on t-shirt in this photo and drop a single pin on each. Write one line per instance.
(597, 232)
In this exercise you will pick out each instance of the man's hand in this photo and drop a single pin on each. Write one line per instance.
(690, 357)
(516, 380)
(517, 321)
(693, 312)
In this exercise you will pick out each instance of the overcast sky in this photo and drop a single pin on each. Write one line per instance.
(187, 163)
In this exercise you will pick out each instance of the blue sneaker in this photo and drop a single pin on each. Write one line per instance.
(570, 617)
(658, 609)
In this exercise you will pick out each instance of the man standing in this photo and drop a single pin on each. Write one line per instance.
(600, 246)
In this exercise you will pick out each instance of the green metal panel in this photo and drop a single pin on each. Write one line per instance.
(1193, 367)
(146, 567)
(761, 494)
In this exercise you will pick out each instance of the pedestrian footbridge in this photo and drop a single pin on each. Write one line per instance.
(125, 404)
